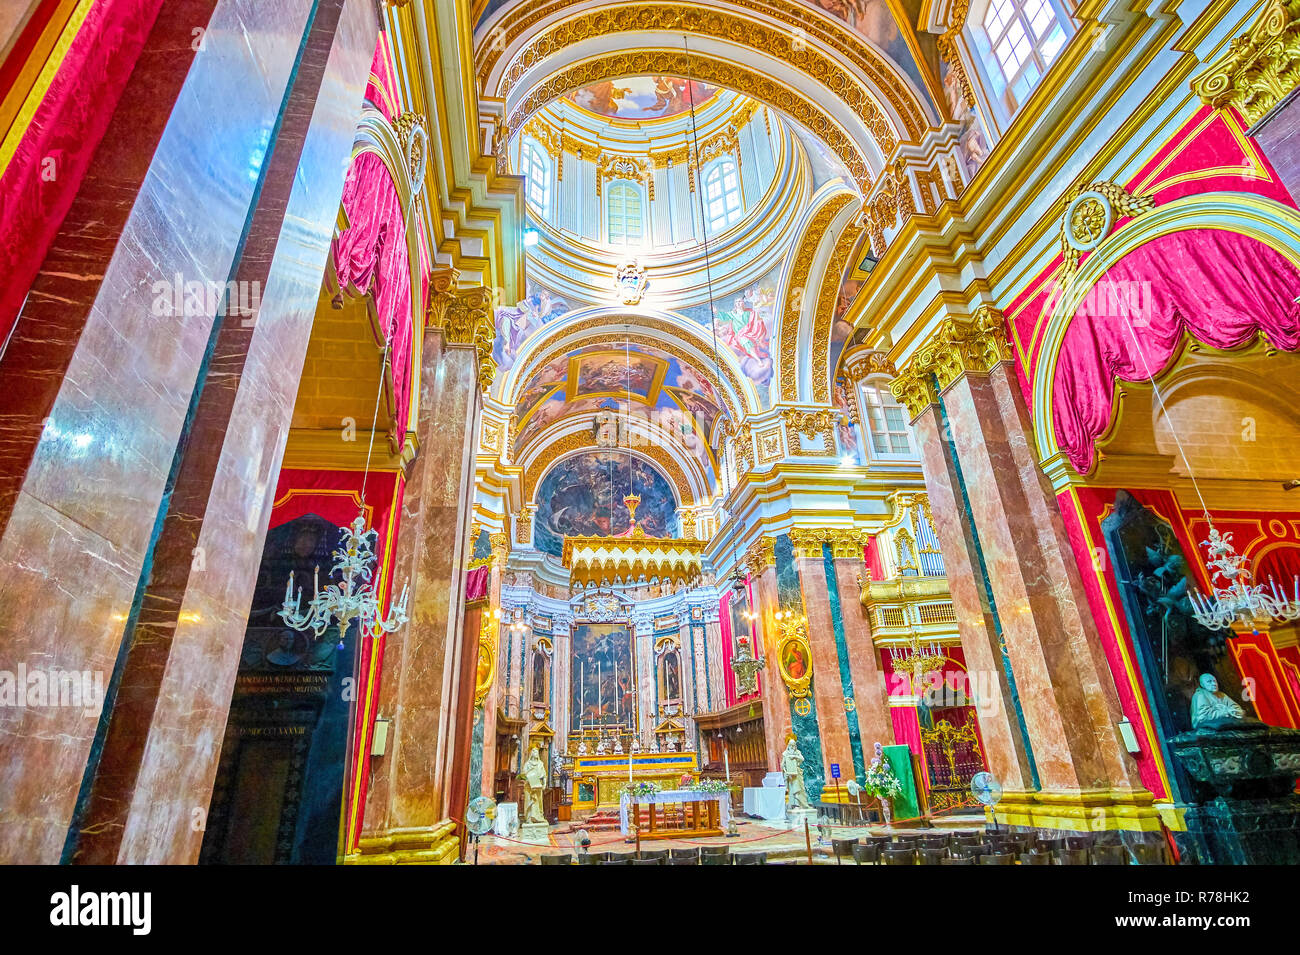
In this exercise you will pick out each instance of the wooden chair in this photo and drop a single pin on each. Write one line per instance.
(997, 858)
(1049, 845)
(1080, 842)
(951, 860)
(691, 855)
(715, 855)
(1035, 858)
(554, 859)
(1109, 855)
(868, 853)
(655, 861)
(656, 854)
(898, 856)
(749, 858)
(683, 861)
(589, 858)
(1071, 856)
(842, 848)
(933, 856)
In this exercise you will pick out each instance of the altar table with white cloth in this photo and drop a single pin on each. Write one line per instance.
(765, 802)
(674, 797)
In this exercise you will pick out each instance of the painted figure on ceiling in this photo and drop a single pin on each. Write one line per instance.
(746, 330)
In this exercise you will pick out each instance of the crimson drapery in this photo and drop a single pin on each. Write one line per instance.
(1221, 288)
(476, 584)
(370, 256)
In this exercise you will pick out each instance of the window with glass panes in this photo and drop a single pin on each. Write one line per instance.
(1025, 37)
(624, 217)
(538, 172)
(887, 422)
(722, 195)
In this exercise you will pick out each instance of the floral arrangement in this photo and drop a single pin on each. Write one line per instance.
(645, 788)
(881, 781)
(710, 786)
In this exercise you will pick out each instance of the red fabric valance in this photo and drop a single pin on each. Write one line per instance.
(1221, 288)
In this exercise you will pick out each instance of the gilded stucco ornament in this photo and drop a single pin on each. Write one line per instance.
(810, 423)
(1260, 67)
(487, 658)
(414, 137)
(1090, 213)
(630, 281)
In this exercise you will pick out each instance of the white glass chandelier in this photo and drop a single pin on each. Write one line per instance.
(354, 597)
(1234, 596)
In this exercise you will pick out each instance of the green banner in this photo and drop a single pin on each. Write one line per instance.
(900, 761)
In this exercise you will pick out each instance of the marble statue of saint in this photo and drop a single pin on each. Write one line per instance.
(582, 747)
(602, 747)
(618, 746)
(533, 778)
(672, 744)
(636, 744)
(654, 744)
(792, 770)
(1211, 706)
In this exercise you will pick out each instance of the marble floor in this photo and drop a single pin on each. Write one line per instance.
(779, 842)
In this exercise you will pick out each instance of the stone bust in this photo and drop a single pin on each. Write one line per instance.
(1212, 707)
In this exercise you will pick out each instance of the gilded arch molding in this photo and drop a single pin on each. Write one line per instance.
(573, 442)
(792, 32)
(796, 288)
(717, 72)
(565, 338)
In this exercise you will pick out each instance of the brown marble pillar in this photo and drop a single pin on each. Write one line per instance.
(1004, 744)
(102, 378)
(1066, 691)
(1278, 136)
(424, 665)
(828, 688)
(159, 755)
(761, 564)
(871, 695)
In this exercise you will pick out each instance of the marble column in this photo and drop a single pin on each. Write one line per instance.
(1035, 594)
(1279, 138)
(761, 564)
(425, 664)
(117, 403)
(827, 683)
(870, 691)
(159, 754)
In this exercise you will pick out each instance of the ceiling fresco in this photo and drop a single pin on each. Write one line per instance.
(664, 392)
(582, 496)
(642, 98)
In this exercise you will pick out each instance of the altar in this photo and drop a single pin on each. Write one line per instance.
(677, 813)
(599, 781)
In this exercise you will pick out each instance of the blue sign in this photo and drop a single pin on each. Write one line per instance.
(835, 770)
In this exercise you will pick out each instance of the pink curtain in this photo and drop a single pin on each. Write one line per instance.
(1221, 288)
(476, 583)
(370, 257)
(724, 625)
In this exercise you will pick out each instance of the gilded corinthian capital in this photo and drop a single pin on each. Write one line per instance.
(760, 556)
(1260, 67)
(468, 321)
(952, 350)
